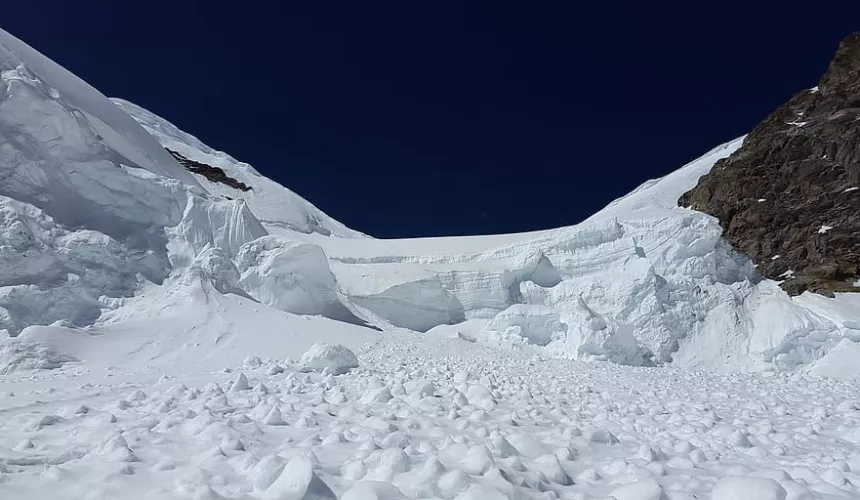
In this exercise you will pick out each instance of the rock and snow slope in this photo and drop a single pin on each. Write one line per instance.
(277, 208)
(641, 282)
(132, 289)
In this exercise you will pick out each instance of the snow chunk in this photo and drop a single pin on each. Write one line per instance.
(377, 395)
(240, 384)
(337, 358)
(298, 482)
(840, 362)
(538, 324)
(18, 354)
(646, 489)
(291, 276)
(594, 336)
(748, 488)
(480, 396)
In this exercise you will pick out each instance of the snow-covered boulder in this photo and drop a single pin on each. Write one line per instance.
(289, 275)
(337, 358)
(538, 324)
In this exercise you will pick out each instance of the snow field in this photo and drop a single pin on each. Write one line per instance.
(429, 418)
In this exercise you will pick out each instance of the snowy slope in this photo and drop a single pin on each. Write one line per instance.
(27, 71)
(278, 208)
(642, 281)
(81, 217)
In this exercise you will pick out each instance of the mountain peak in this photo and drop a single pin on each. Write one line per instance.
(843, 74)
(789, 198)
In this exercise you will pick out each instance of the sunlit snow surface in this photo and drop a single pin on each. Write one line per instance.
(157, 320)
(433, 417)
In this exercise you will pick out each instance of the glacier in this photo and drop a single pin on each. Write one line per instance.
(98, 215)
(164, 335)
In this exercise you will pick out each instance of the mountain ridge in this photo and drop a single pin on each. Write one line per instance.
(788, 197)
(642, 281)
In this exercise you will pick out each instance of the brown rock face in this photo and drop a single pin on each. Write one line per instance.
(214, 174)
(789, 198)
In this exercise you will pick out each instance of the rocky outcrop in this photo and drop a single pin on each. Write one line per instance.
(789, 198)
(213, 174)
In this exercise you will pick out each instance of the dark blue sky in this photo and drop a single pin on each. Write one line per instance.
(415, 118)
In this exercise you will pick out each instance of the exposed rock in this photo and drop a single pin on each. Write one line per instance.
(214, 174)
(789, 197)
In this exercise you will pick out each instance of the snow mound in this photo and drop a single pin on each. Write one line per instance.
(334, 357)
(24, 355)
(297, 481)
(748, 488)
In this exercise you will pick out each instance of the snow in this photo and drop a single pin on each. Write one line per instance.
(278, 209)
(528, 425)
(27, 73)
(416, 305)
(748, 488)
(163, 336)
(840, 362)
(538, 324)
(335, 358)
(291, 276)
(648, 489)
